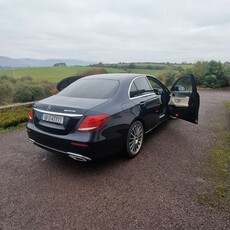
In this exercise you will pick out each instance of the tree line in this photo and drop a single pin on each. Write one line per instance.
(208, 74)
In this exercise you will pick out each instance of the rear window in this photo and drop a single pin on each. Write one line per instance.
(91, 88)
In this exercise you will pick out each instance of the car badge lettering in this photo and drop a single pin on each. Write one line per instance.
(69, 110)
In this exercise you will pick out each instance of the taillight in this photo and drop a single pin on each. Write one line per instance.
(91, 123)
(31, 115)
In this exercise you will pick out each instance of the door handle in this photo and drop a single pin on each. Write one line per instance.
(142, 103)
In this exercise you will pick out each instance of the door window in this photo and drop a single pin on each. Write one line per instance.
(183, 85)
(155, 86)
(140, 87)
(133, 90)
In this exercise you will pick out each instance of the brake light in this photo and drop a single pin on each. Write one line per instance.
(31, 115)
(91, 123)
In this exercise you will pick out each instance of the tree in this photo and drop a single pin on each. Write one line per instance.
(149, 67)
(167, 76)
(132, 66)
(210, 74)
(216, 69)
(227, 71)
(60, 64)
(200, 70)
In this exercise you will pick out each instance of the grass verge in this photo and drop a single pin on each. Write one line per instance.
(12, 128)
(219, 175)
(13, 117)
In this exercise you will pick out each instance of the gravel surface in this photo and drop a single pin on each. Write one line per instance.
(156, 190)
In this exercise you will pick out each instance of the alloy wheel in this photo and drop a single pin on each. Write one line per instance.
(135, 138)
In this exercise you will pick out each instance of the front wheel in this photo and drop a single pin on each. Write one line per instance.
(134, 139)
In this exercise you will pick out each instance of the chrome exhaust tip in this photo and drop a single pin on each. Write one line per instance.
(31, 140)
(78, 157)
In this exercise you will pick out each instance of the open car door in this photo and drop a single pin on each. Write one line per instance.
(184, 99)
(66, 82)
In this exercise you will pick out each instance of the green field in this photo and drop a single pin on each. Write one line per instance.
(146, 71)
(51, 74)
(55, 74)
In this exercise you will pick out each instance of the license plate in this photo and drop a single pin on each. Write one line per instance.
(53, 118)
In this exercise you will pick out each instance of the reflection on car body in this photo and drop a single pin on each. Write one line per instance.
(99, 115)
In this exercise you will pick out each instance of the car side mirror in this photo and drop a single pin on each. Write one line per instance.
(178, 88)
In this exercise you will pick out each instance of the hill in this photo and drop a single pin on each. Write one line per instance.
(6, 62)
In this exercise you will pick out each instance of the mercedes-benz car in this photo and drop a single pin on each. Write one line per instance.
(100, 115)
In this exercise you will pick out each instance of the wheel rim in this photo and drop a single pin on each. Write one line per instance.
(135, 139)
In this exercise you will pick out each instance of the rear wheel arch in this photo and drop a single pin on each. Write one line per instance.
(141, 120)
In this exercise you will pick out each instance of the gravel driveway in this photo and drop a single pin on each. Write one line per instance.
(156, 190)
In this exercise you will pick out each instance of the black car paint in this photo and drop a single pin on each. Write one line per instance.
(111, 138)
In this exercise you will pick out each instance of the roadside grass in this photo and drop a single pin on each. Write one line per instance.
(12, 128)
(219, 174)
(228, 105)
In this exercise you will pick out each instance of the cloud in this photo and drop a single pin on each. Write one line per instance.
(113, 31)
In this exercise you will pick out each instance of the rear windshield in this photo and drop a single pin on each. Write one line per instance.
(91, 88)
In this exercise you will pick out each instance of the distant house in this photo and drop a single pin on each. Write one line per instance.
(60, 64)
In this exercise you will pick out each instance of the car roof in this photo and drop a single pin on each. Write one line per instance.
(114, 76)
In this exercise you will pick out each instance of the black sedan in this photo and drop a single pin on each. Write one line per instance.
(103, 114)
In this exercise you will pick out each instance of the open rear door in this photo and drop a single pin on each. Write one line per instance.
(66, 82)
(184, 99)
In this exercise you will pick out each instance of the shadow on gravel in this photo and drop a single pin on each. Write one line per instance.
(161, 128)
(101, 165)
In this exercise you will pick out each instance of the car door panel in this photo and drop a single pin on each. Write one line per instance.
(147, 102)
(179, 100)
(184, 99)
(162, 92)
(149, 109)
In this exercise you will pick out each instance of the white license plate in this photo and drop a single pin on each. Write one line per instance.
(52, 118)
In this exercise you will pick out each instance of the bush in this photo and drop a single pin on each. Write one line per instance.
(6, 92)
(23, 90)
(47, 88)
(167, 76)
(5, 77)
(27, 79)
(92, 72)
(210, 81)
(26, 93)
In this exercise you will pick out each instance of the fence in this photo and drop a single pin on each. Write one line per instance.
(27, 104)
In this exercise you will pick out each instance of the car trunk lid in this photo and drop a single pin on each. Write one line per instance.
(60, 115)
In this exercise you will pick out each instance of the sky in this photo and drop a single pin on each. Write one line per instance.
(116, 31)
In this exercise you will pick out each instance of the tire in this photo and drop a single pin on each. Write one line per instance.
(134, 139)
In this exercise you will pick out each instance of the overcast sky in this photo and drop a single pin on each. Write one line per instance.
(116, 31)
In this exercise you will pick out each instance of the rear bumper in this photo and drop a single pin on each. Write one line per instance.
(77, 146)
(74, 156)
